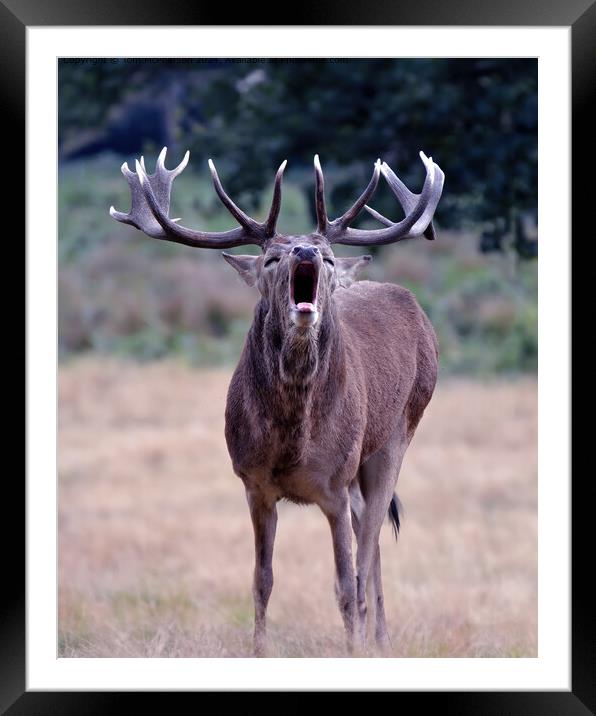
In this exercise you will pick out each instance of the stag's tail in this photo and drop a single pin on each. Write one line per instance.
(395, 507)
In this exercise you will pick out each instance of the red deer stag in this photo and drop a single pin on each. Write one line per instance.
(333, 378)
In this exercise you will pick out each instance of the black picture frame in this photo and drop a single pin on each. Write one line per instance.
(15, 17)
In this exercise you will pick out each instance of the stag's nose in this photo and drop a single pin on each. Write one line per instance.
(305, 253)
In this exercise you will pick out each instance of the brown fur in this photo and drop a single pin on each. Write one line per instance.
(333, 379)
(309, 407)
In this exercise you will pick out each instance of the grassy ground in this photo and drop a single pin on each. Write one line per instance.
(155, 542)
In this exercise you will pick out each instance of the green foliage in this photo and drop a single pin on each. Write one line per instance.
(123, 294)
(476, 117)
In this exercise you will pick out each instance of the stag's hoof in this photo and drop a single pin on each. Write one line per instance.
(259, 647)
(383, 644)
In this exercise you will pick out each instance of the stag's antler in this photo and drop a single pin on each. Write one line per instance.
(150, 194)
(419, 208)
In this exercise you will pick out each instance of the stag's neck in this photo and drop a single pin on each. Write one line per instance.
(299, 373)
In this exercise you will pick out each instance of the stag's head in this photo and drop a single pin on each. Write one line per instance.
(296, 275)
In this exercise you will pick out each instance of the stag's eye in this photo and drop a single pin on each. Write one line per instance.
(329, 262)
(270, 262)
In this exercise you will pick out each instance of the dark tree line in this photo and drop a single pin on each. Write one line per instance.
(476, 117)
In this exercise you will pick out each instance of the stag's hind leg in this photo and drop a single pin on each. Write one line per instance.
(377, 478)
(381, 633)
(374, 587)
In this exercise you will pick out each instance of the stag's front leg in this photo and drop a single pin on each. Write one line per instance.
(264, 520)
(338, 515)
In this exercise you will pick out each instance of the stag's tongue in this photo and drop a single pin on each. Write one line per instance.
(305, 307)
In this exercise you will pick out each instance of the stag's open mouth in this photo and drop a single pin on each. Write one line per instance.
(304, 279)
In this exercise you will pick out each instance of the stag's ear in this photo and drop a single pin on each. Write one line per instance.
(245, 265)
(347, 269)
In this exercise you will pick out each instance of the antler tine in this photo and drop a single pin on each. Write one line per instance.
(406, 198)
(428, 233)
(171, 231)
(419, 211)
(271, 222)
(353, 212)
(150, 205)
(378, 217)
(243, 219)
(161, 167)
(321, 209)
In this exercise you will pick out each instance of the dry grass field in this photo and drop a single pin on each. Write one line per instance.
(155, 541)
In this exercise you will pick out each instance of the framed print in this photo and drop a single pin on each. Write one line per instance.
(106, 620)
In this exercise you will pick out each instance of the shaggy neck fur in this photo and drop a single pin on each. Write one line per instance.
(298, 374)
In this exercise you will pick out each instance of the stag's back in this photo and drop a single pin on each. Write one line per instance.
(392, 353)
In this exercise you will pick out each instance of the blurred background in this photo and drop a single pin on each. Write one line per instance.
(155, 539)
